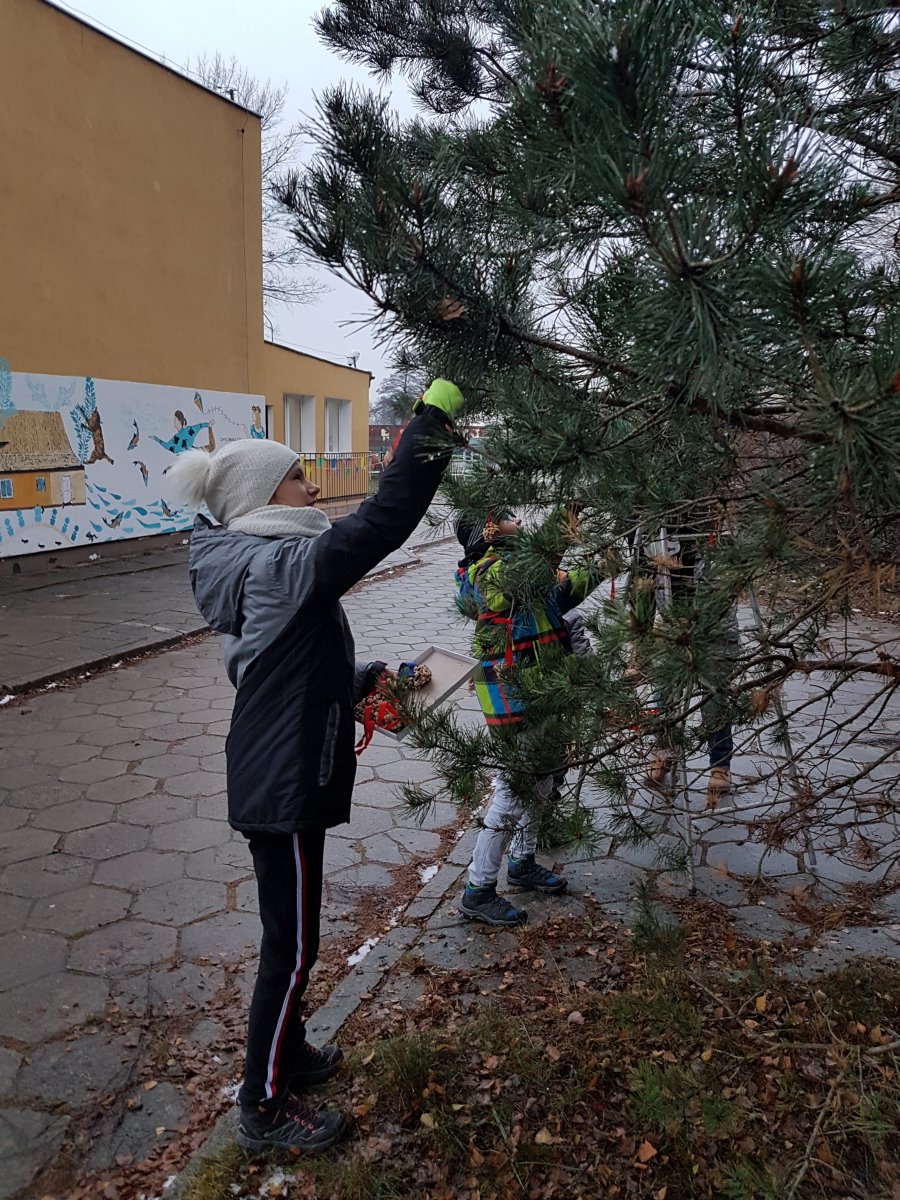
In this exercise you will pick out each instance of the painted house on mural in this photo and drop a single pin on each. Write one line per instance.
(38, 467)
(131, 318)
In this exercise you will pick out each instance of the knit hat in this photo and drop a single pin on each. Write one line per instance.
(236, 479)
(471, 537)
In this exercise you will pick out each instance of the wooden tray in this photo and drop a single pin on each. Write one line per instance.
(449, 671)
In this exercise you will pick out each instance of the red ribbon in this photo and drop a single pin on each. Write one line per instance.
(377, 713)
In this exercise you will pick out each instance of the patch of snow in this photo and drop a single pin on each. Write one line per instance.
(230, 1091)
(169, 1183)
(93, 557)
(5, 699)
(358, 955)
(429, 872)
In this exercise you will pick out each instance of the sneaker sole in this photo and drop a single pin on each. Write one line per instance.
(263, 1146)
(537, 887)
(476, 916)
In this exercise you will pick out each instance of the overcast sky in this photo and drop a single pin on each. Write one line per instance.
(273, 39)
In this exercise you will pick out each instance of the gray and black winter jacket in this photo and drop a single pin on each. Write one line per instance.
(289, 650)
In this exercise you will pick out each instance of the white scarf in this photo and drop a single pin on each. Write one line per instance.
(280, 520)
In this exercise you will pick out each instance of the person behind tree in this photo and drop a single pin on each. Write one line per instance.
(525, 634)
(688, 540)
(269, 578)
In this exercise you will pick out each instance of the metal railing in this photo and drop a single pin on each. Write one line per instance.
(341, 476)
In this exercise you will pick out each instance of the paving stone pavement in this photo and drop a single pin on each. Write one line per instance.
(126, 897)
(63, 620)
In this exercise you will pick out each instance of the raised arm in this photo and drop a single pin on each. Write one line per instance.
(342, 555)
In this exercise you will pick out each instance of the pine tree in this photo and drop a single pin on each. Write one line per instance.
(655, 242)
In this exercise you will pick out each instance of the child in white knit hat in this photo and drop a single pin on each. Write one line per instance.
(269, 578)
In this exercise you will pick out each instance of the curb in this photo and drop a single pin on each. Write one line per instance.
(347, 995)
(132, 653)
(69, 674)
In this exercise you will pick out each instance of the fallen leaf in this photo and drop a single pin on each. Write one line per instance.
(427, 1120)
(149, 1085)
(160, 1130)
(575, 1018)
(476, 1158)
(662, 1193)
(707, 1054)
(761, 1004)
(646, 1151)
(553, 1054)
(492, 1062)
(544, 1137)
(368, 1058)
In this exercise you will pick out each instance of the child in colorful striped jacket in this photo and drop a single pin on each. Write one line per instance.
(507, 636)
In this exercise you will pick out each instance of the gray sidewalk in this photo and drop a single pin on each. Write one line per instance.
(78, 618)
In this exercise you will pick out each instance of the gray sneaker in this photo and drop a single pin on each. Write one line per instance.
(483, 904)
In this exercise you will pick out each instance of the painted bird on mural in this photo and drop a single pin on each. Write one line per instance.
(168, 512)
(115, 522)
(135, 437)
(144, 472)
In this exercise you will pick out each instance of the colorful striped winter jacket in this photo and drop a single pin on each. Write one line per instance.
(507, 636)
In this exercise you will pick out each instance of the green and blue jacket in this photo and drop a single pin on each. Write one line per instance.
(508, 637)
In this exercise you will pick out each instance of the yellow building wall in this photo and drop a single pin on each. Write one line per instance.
(130, 234)
(288, 372)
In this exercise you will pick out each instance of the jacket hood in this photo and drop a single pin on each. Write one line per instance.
(219, 562)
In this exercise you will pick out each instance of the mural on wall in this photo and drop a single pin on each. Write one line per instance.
(84, 461)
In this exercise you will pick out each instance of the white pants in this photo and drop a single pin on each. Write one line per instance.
(506, 820)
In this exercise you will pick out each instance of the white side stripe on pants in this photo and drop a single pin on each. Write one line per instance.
(285, 1008)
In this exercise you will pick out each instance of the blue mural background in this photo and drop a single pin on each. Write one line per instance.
(124, 436)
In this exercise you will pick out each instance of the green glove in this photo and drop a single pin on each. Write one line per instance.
(443, 395)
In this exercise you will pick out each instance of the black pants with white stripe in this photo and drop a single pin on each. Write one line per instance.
(289, 880)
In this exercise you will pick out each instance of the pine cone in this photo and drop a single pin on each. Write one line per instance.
(421, 676)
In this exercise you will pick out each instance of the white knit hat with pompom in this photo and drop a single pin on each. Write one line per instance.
(236, 479)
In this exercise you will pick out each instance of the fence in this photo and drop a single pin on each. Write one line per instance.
(340, 476)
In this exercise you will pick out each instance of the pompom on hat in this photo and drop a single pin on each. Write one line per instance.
(237, 479)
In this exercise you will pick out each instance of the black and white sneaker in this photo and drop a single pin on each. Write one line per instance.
(288, 1125)
(483, 904)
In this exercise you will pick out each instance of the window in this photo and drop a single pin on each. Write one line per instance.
(300, 423)
(6, 489)
(270, 420)
(337, 426)
(40, 484)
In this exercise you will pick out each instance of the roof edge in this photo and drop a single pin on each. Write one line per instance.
(317, 357)
(148, 56)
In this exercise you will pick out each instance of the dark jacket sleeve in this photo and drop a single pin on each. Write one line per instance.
(342, 555)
